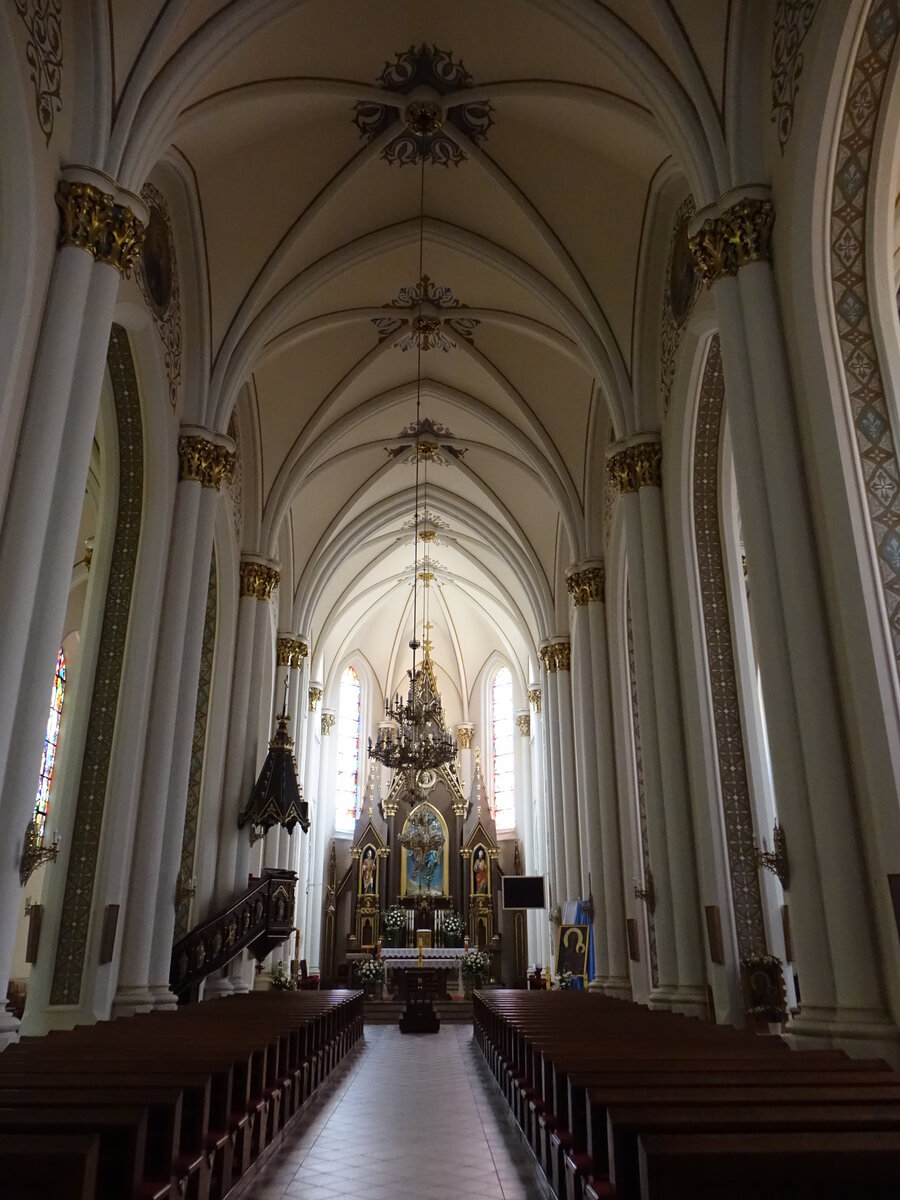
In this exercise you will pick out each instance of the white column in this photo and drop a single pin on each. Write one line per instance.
(315, 867)
(464, 735)
(586, 770)
(539, 800)
(40, 526)
(831, 909)
(618, 982)
(150, 910)
(667, 961)
(556, 841)
(562, 677)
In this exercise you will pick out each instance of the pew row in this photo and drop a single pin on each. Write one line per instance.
(618, 1101)
(185, 1104)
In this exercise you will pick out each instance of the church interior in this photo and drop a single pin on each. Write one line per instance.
(450, 575)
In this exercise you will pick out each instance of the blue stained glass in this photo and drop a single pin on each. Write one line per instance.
(346, 803)
(502, 752)
(48, 759)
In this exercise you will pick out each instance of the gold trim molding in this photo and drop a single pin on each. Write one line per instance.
(95, 221)
(291, 652)
(534, 699)
(523, 721)
(586, 585)
(258, 580)
(204, 462)
(315, 695)
(636, 467)
(557, 656)
(464, 735)
(741, 234)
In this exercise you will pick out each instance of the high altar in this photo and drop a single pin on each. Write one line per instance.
(426, 848)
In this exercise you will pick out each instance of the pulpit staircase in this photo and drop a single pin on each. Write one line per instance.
(258, 920)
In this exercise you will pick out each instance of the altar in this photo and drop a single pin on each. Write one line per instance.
(446, 962)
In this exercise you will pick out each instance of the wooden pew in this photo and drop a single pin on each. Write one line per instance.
(37, 1168)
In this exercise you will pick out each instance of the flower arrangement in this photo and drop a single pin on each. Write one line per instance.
(476, 964)
(564, 981)
(394, 918)
(279, 980)
(370, 970)
(453, 923)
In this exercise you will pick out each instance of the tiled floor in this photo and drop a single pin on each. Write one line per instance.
(409, 1117)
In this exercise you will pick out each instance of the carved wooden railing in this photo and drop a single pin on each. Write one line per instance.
(258, 920)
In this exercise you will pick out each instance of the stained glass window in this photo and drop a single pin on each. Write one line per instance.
(502, 754)
(48, 760)
(346, 808)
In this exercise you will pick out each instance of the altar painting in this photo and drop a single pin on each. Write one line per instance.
(481, 871)
(425, 871)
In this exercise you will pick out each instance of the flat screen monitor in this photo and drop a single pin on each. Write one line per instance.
(524, 891)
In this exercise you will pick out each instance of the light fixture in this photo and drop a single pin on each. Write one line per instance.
(414, 735)
(35, 853)
(276, 798)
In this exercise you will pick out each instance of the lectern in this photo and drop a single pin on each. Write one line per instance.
(419, 1015)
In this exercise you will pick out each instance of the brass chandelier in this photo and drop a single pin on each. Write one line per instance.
(414, 736)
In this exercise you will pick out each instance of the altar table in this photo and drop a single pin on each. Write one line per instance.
(445, 961)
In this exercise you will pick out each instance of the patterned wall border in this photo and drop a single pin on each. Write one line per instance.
(790, 26)
(167, 319)
(681, 289)
(723, 684)
(198, 746)
(76, 911)
(852, 306)
(44, 54)
(641, 794)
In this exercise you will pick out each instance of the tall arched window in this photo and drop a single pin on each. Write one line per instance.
(48, 760)
(346, 801)
(502, 756)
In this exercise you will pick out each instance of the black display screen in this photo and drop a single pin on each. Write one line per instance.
(523, 891)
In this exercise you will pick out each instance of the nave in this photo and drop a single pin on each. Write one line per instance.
(406, 1118)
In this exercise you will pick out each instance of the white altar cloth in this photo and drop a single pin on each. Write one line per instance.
(407, 958)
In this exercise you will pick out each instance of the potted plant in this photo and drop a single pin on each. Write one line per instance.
(394, 922)
(454, 927)
(370, 973)
(476, 968)
(279, 980)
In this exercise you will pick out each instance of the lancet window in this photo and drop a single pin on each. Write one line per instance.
(48, 760)
(348, 730)
(502, 753)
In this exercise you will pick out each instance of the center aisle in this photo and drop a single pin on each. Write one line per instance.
(411, 1117)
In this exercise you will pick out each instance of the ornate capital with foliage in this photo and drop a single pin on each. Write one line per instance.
(203, 461)
(523, 720)
(534, 698)
(548, 658)
(315, 695)
(562, 652)
(636, 467)
(464, 734)
(95, 221)
(258, 580)
(328, 720)
(586, 585)
(741, 234)
(291, 652)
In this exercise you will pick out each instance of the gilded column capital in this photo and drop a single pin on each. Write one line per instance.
(328, 720)
(464, 735)
(523, 721)
(562, 653)
(284, 647)
(534, 698)
(586, 584)
(97, 221)
(727, 241)
(203, 461)
(636, 467)
(300, 651)
(315, 695)
(547, 655)
(258, 579)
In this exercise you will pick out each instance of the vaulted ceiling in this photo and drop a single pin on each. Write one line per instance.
(536, 188)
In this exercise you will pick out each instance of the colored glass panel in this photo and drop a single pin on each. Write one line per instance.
(502, 750)
(48, 759)
(348, 722)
